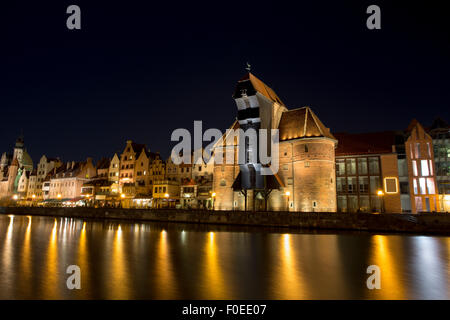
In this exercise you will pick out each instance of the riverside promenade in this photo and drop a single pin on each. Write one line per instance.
(425, 223)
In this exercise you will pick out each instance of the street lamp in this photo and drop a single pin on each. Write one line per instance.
(287, 194)
(380, 194)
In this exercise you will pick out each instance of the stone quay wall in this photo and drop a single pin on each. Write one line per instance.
(386, 222)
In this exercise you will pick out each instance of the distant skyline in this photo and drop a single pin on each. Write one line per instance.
(138, 71)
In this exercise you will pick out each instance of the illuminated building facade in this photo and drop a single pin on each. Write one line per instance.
(305, 179)
(440, 133)
(367, 178)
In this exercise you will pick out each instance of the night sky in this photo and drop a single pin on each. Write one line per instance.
(140, 69)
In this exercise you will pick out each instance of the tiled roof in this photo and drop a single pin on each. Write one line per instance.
(365, 143)
(302, 123)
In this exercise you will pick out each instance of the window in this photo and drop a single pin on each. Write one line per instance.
(306, 164)
(351, 167)
(430, 186)
(429, 149)
(362, 166)
(340, 185)
(352, 203)
(417, 149)
(390, 185)
(374, 184)
(422, 186)
(404, 187)
(414, 166)
(430, 162)
(364, 203)
(285, 167)
(223, 183)
(424, 168)
(402, 168)
(306, 148)
(290, 181)
(374, 167)
(363, 184)
(351, 185)
(342, 203)
(340, 167)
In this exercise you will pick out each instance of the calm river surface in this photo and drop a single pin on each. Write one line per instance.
(123, 260)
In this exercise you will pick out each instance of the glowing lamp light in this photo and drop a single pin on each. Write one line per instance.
(166, 195)
(15, 197)
(213, 194)
(122, 195)
(59, 196)
(380, 193)
(288, 193)
(33, 196)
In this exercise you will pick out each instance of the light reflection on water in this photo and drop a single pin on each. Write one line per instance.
(122, 260)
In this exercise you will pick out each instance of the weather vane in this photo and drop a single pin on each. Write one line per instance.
(248, 67)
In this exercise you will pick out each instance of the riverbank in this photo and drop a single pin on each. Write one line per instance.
(427, 223)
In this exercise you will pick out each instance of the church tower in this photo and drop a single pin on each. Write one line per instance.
(19, 149)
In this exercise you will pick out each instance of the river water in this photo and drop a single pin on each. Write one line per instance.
(126, 260)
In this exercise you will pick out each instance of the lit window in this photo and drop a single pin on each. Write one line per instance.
(390, 185)
(424, 168)
(422, 186)
(414, 165)
(430, 186)
(415, 186)
(431, 167)
(417, 150)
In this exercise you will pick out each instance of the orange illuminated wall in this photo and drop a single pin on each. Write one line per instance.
(421, 170)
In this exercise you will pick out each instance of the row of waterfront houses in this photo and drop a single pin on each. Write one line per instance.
(406, 170)
(134, 178)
